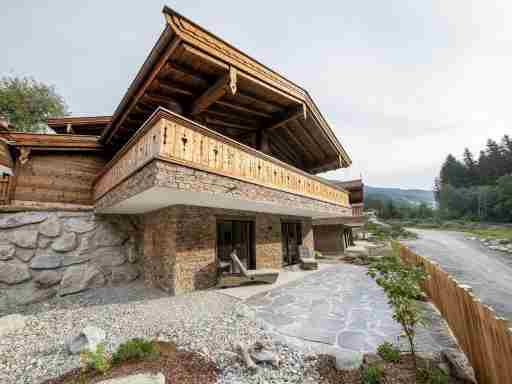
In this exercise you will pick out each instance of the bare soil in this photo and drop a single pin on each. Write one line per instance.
(177, 366)
(394, 373)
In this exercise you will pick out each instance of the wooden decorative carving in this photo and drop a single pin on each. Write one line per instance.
(183, 142)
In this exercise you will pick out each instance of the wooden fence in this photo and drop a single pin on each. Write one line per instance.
(4, 189)
(485, 338)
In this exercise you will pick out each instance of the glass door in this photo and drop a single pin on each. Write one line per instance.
(291, 239)
(236, 235)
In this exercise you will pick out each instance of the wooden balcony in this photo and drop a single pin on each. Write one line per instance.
(169, 137)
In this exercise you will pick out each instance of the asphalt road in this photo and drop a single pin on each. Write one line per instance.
(488, 272)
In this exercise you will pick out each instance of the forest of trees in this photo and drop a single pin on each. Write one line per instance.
(477, 188)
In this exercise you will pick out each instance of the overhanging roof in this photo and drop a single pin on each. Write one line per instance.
(197, 74)
(82, 125)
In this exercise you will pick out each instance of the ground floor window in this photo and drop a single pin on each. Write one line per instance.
(236, 235)
(291, 235)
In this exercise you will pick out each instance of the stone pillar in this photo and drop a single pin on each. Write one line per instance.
(269, 249)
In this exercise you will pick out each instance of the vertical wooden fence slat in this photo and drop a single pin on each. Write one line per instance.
(485, 339)
(4, 189)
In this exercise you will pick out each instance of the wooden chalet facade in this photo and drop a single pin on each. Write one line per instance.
(208, 151)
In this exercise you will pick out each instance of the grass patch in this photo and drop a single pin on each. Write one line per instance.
(492, 233)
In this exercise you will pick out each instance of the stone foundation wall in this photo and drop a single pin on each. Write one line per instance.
(180, 245)
(48, 253)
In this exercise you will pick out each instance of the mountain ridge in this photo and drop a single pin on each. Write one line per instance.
(413, 196)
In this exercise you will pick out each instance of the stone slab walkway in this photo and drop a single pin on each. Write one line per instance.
(340, 308)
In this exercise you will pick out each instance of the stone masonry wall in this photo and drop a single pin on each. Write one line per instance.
(180, 245)
(48, 253)
(328, 239)
(177, 177)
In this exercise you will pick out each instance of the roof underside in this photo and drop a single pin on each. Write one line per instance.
(89, 125)
(196, 74)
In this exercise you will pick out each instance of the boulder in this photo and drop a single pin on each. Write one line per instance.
(262, 355)
(25, 238)
(51, 227)
(13, 272)
(79, 224)
(49, 261)
(30, 293)
(25, 254)
(65, 243)
(108, 256)
(459, 365)
(47, 279)
(124, 273)
(22, 218)
(11, 323)
(43, 242)
(348, 360)
(7, 251)
(139, 378)
(87, 340)
(80, 277)
(107, 235)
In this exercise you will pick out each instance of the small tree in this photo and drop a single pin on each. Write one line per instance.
(28, 103)
(401, 283)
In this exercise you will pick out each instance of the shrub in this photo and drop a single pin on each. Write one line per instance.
(134, 349)
(389, 352)
(401, 283)
(372, 374)
(431, 376)
(96, 360)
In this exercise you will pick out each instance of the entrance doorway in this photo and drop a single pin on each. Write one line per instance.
(236, 235)
(291, 239)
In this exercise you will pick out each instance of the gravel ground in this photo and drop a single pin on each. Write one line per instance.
(207, 322)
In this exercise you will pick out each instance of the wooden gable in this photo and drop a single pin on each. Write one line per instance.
(194, 73)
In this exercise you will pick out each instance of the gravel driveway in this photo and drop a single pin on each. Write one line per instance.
(488, 272)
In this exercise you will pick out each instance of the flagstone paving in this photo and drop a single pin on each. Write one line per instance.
(342, 308)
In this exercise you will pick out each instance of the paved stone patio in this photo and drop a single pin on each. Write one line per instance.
(341, 308)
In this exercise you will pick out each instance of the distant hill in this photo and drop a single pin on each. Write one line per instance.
(401, 196)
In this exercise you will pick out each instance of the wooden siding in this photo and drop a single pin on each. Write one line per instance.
(5, 184)
(58, 177)
(172, 138)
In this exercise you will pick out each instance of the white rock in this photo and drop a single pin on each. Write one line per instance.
(87, 340)
(51, 227)
(348, 360)
(25, 238)
(141, 378)
(11, 323)
(7, 251)
(65, 243)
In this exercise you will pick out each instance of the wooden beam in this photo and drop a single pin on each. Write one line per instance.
(171, 88)
(290, 116)
(240, 108)
(230, 125)
(173, 67)
(163, 60)
(67, 141)
(166, 102)
(225, 84)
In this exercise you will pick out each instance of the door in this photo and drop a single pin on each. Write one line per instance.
(236, 235)
(291, 239)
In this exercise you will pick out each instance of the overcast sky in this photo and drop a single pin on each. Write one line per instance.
(401, 82)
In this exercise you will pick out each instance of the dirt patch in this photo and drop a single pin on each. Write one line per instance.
(394, 373)
(177, 366)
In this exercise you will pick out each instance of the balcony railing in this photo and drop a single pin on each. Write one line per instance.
(171, 137)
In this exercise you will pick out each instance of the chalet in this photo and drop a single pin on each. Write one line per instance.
(208, 151)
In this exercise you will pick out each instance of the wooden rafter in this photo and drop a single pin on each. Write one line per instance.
(290, 116)
(298, 142)
(154, 72)
(240, 108)
(163, 101)
(227, 83)
(228, 124)
(310, 137)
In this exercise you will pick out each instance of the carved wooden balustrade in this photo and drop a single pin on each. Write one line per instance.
(170, 137)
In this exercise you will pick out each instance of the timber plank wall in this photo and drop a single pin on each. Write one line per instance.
(58, 177)
(485, 338)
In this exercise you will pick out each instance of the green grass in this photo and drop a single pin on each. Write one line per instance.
(491, 233)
